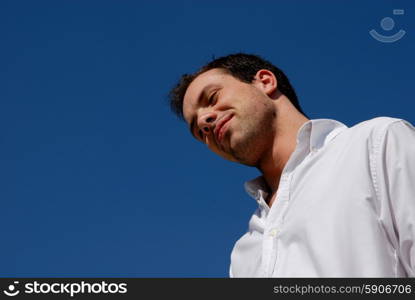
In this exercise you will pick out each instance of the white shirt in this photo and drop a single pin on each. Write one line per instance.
(345, 206)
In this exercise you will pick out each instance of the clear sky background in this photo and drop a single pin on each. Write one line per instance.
(99, 178)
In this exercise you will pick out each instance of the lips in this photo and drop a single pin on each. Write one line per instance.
(219, 130)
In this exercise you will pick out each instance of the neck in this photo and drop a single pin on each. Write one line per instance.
(273, 161)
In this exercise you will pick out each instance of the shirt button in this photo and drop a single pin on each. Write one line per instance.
(273, 232)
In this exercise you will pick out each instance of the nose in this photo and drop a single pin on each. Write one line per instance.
(206, 122)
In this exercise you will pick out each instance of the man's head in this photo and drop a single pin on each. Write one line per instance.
(230, 104)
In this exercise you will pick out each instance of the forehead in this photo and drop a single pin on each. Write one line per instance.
(204, 81)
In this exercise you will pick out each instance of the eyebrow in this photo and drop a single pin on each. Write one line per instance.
(199, 99)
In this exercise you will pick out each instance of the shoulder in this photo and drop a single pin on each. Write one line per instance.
(383, 137)
(375, 128)
(375, 124)
(371, 134)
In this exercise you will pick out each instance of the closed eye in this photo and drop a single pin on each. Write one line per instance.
(212, 98)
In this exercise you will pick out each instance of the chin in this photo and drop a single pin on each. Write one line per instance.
(245, 151)
(245, 157)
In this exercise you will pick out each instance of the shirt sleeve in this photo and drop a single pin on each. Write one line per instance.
(395, 175)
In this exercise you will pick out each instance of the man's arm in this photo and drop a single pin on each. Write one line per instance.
(394, 178)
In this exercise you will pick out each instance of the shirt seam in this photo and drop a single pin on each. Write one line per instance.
(373, 167)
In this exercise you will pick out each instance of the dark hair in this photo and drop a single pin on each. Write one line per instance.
(241, 66)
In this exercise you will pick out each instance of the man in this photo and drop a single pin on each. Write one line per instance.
(332, 201)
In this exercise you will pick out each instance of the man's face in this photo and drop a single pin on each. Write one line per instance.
(233, 118)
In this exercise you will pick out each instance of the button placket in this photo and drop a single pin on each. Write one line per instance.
(273, 232)
(274, 224)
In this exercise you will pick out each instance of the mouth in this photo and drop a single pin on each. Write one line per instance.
(221, 128)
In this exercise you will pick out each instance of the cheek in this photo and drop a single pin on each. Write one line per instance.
(260, 112)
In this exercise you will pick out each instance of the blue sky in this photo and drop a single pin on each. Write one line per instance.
(99, 178)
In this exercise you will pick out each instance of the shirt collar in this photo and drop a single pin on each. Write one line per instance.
(323, 131)
(314, 134)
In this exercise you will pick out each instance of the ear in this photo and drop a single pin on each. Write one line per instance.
(266, 81)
